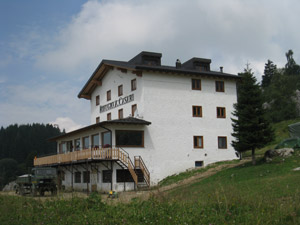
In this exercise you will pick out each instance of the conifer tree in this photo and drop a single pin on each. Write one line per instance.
(270, 69)
(291, 67)
(250, 126)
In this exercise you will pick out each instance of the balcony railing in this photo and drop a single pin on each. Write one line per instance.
(86, 154)
(98, 154)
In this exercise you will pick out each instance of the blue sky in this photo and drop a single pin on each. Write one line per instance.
(48, 49)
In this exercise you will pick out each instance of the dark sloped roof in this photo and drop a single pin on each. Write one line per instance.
(124, 121)
(137, 64)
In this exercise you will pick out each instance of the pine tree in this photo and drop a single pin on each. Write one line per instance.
(270, 69)
(250, 126)
(291, 67)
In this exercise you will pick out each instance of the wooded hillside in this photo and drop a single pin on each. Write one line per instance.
(19, 144)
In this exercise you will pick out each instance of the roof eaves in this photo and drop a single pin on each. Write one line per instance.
(187, 71)
(125, 121)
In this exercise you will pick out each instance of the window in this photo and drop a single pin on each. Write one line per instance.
(133, 109)
(124, 176)
(198, 163)
(69, 146)
(86, 176)
(77, 144)
(97, 100)
(196, 84)
(198, 141)
(120, 113)
(63, 147)
(77, 177)
(220, 86)
(95, 141)
(108, 116)
(221, 112)
(120, 90)
(222, 142)
(133, 84)
(107, 176)
(108, 95)
(86, 142)
(129, 138)
(197, 111)
(97, 119)
(106, 139)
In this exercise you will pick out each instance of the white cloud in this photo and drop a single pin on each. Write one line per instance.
(66, 123)
(41, 102)
(229, 32)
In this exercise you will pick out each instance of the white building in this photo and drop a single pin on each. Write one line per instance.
(149, 121)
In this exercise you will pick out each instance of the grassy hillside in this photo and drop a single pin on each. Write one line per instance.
(281, 133)
(247, 194)
(261, 194)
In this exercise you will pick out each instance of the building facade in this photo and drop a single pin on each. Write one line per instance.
(148, 121)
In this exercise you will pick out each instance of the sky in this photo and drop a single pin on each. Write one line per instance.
(49, 49)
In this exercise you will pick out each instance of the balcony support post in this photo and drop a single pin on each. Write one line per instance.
(87, 180)
(72, 177)
(111, 166)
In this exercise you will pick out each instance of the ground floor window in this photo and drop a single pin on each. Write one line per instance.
(129, 138)
(198, 141)
(222, 142)
(124, 176)
(107, 176)
(198, 163)
(77, 177)
(86, 176)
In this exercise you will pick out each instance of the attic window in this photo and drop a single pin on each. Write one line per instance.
(201, 66)
(151, 61)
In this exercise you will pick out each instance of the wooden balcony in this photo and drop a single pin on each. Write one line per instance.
(116, 154)
(86, 154)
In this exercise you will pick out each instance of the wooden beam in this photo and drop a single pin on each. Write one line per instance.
(86, 96)
(139, 73)
(97, 82)
(109, 67)
(122, 69)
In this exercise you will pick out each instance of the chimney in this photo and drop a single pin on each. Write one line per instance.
(221, 69)
(178, 63)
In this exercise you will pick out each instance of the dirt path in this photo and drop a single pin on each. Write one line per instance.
(144, 195)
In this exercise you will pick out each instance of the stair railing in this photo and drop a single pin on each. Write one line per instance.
(139, 163)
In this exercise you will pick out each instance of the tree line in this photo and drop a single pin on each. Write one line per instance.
(19, 144)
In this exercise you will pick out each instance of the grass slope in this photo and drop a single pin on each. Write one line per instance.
(261, 194)
(247, 194)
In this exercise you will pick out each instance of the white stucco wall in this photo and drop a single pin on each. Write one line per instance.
(166, 101)
(111, 81)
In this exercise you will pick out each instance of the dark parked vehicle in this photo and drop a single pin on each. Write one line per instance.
(41, 180)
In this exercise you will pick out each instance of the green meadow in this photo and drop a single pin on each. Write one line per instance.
(267, 193)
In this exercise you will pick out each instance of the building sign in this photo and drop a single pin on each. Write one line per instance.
(117, 103)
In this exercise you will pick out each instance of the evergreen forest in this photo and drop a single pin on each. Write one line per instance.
(19, 144)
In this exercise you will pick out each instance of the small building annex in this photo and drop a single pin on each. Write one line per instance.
(148, 121)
